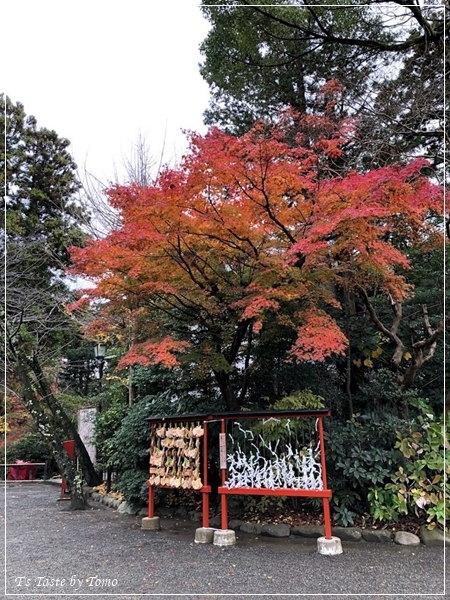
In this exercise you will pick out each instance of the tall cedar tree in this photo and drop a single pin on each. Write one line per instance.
(42, 221)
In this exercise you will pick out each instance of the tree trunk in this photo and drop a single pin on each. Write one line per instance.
(223, 378)
(131, 390)
(428, 343)
(54, 436)
(74, 482)
(402, 407)
(350, 310)
(226, 389)
(90, 475)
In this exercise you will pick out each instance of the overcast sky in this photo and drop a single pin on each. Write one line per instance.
(101, 72)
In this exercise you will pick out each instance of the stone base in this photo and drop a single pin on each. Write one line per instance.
(204, 535)
(151, 523)
(224, 537)
(330, 546)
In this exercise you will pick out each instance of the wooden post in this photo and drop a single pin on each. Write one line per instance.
(205, 494)
(151, 501)
(325, 501)
(223, 497)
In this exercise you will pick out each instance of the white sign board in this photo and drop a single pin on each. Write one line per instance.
(222, 451)
(86, 421)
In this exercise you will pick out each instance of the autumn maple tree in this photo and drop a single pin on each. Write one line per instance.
(267, 225)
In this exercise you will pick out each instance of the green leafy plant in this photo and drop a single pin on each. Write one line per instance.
(275, 429)
(132, 483)
(343, 516)
(263, 504)
(384, 505)
(30, 448)
(127, 452)
(417, 486)
(360, 454)
(106, 425)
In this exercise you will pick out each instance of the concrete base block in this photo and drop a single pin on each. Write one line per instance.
(204, 535)
(224, 537)
(330, 546)
(151, 523)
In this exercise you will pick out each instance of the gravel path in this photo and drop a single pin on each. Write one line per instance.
(52, 552)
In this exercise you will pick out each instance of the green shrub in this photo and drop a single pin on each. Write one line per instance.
(132, 483)
(360, 453)
(71, 403)
(417, 486)
(275, 429)
(30, 448)
(263, 504)
(106, 424)
(300, 400)
(127, 453)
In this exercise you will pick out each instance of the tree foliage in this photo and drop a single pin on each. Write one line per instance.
(42, 220)
(255, 228)
(389, 56)
(40, 186)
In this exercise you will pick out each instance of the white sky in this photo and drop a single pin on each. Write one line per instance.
(101, 72)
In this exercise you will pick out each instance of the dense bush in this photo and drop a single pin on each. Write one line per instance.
(386, 467)
(127, 452)
(417, 486)
(360, 453)
(31, 448)
(275, 429)
(106, 424)
(71, 404)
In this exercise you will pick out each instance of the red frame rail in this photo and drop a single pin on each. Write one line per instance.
(224, 491)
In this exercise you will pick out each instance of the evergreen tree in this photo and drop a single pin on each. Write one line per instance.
(389, 57)
(42, 221)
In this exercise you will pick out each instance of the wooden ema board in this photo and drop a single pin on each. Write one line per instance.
(175, 461)
(175, 456)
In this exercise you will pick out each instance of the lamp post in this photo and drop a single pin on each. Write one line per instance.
(99, 352)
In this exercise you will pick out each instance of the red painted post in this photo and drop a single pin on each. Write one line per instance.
(223, 499)
(151, 501)
(325, 501)
(205, 495)
(151, 489)
(69, 447)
